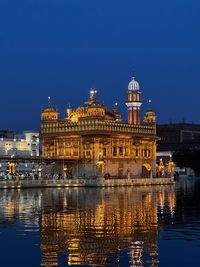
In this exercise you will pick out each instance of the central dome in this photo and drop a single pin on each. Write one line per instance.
(93, 109)
(133, 85)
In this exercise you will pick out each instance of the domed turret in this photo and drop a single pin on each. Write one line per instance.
(115, 111)
(49, 113)
(150, 116)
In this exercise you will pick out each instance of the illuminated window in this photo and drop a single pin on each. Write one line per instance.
(75, 153)
(88, 153)
(87, 146)
(114, 151)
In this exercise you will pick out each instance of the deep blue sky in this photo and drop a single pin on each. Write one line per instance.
(60, 48)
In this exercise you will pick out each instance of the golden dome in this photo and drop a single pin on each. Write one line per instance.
(92, 109)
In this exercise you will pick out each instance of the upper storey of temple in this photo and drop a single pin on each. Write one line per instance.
(92, 110)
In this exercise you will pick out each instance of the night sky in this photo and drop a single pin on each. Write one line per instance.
(60, 48)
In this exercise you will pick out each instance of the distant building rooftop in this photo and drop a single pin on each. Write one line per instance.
(178, 136)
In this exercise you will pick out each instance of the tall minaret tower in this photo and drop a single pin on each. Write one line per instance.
(134, 102)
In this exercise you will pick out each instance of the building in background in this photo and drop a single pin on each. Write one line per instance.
(178, 136)
(19, 144)
(93, 140)
(7, 134)
(17, 150)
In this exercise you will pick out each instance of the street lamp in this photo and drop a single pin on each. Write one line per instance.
(64, 172)
(39, 172)
(33, 171)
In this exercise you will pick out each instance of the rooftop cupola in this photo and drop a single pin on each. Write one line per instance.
(92, 94)
(150, 116)
(49, 113)
(115, 111)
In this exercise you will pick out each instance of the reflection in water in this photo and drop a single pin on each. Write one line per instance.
(112, 226)
(95, 226)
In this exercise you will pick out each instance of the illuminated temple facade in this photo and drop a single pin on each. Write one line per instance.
(94, 141)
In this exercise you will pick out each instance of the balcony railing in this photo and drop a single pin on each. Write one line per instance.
(96, 126)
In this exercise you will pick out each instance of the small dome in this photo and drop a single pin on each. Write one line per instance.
(49, 107)
(133, 85)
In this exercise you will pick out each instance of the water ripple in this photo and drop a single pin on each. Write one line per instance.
(100, 227)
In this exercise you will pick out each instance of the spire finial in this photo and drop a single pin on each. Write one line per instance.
(92, 94)
(133, 76)
(115, 106)
(150, 105)
(49, 101)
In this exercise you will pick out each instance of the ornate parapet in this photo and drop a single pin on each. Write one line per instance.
(94, 126)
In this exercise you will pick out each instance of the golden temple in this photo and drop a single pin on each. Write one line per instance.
(94, 141)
